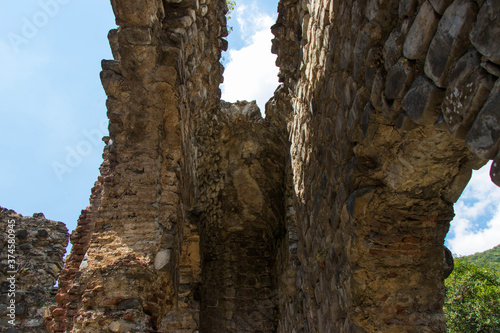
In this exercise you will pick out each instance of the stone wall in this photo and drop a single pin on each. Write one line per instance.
(393, 105)
(37, 254)
(241, 220)
(329, 215)
(142, 272)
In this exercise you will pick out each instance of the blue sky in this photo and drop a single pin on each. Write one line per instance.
(53, 108)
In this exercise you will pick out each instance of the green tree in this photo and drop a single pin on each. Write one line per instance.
(472, 302)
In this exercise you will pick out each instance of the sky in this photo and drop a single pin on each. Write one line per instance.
(53, 111)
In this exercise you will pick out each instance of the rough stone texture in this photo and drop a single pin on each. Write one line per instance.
(422, 101)
(467, 91)
(451, 40)
(373, 188)
(421, 32)
(484, 137)
(40, 245)
(329, 215)
(241, 222)
(484, 36)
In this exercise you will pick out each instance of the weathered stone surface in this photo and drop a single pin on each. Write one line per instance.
(35, 262)
(162, 258)
(393, 48)
(484, 137)
(440, 5)
(407, 8)
(422, 101)
(381, 12)
(138, 13)
(399, 79)
(421, 32)
(451, 40)
(485, 34)
(327, 215)
(468, 89)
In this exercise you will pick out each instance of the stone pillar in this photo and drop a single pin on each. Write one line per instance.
(390, 114)
(136, 262)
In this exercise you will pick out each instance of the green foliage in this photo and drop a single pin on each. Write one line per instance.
(490, 258)
(230, 7)
(472, 301)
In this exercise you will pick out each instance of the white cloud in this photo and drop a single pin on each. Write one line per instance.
(476, 226)
(251, 73)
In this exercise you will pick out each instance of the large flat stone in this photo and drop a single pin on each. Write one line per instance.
(483, 137)
(399, 79)
(486, 32)
(422, 101)
(468, 89)
(451, 40)
(421, 32)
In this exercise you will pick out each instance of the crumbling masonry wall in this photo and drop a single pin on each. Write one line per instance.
(394, 102)
(34, 254)
(329, 215)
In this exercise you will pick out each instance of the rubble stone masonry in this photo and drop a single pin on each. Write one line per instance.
(327, 215)
(32, 250)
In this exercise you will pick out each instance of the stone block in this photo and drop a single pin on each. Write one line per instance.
(422, 100)
(367, 37)
(451, 40)
(393, 48)
(381, 11)
(162, 258)
(485, 34)
(137, 36)
(399, 78)
(407, 8)
(483, 137)
(468, 89)
(440, 5)
(377, 90)
(421, 32)
(135, 13)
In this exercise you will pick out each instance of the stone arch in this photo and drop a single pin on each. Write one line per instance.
(390, 101)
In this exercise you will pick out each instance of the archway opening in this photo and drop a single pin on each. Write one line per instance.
(476, 226)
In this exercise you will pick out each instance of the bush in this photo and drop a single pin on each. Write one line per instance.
(472, 302)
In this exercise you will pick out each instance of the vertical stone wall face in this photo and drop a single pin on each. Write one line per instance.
(140, 270)
(37, 259)
(329, 215)
(242, 221)
(390, 101)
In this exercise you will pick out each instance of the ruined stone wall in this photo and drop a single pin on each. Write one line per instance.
(329, 215)
(35, 258)
(394, 102)
(142, 269)
(242, 221)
